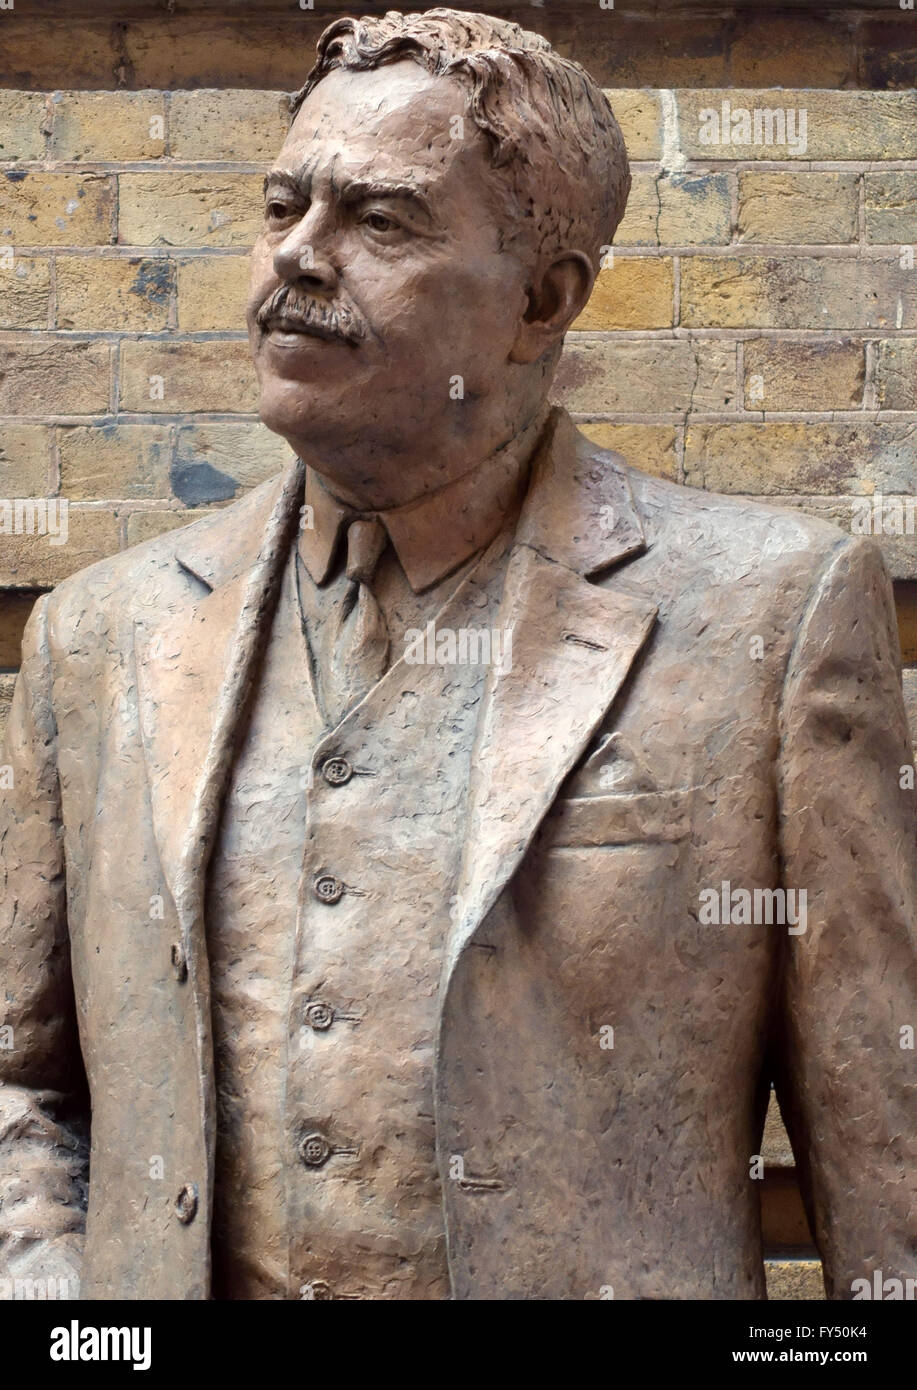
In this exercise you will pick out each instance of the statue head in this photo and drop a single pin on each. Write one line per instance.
(433, 225)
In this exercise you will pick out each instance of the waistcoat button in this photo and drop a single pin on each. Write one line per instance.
(179, 962)
(319, 1015)
(327, 888)
(336, 771)
(186, 1204)
(314, 1150)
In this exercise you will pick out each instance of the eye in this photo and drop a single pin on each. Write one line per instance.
(380, 224)
(276, 210)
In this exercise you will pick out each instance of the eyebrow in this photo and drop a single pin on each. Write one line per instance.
(354, 190)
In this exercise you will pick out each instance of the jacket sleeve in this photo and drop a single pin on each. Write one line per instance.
(43, 1107)
(846, 1068)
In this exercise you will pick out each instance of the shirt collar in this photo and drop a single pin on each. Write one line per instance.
(433, 535)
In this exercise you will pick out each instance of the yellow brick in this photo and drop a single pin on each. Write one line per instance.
(212, 291)
(233, 123)
(32, 562)
(25, 460)
(800, 208)
(219, 460)
(651, 448)
(796, 292)
(145, 526)
(639, 115)
(662, 375)
(24, 291)
(896, 374)
(48, 377)
(108, 125)
(633, 293)
(114, 293)
(793, 1279)
(39, 209)
(7, 686)
(22, 118)
(192, 376)
(676, 210)
(203, 209)
(107, 462)
(798, 456)
(800, 50)
(891, 206)
(839, 125)
(804, 376)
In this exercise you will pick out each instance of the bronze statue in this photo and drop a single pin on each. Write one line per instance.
(424, 865)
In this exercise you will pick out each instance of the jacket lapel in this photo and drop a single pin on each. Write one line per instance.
(195, 672)
(573, 644)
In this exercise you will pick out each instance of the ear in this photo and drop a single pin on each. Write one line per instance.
(556, 298)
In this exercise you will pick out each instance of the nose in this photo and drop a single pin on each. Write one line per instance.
(304, 257)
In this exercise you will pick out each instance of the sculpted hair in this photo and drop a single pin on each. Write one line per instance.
(552, 133)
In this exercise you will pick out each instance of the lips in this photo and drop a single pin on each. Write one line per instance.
(283, 327)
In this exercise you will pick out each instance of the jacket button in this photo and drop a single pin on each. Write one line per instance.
(314, 1150)
(186, 1204)
(327, 888)
(336, 771)
(179, 962)
(319, 1016)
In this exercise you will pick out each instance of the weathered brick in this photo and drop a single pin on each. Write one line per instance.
(22, 119)
(633, 293)
(651, 448)
(7, 685)
(646, 376)
(108, 125)
(906, 607)
(114, 292)
(622, 50)
(799, 50)
(794, 1279)
(32, 50)
(32, 562)
(803, 208)
(856, 515)
(217, 461)
(909, 678)
(113, 461)
(201, 209)
(639, 114)
(201, 50)
(798, 456)
(194, 376)
(145, 526)
(891, 206)
(54, 378)
(212, 291)
(15, 610)
(796, 292)
(228, 123)
(676, 210)
(896, 375)
(789, 375)
(25, 460)
(839, 125)
(888, 49)
(24, 291)
(41, 209)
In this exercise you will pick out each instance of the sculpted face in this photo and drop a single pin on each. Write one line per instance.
(378, 279)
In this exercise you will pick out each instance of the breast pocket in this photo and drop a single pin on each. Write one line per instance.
(583, 822)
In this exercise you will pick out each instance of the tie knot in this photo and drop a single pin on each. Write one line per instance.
(366, 541)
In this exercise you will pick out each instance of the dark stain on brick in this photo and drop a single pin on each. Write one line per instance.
(197, 484)
(153, 281)
(16, 175)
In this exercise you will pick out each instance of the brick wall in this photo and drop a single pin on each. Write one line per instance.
(755, 332)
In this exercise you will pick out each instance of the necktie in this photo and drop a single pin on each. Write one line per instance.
(360, 649)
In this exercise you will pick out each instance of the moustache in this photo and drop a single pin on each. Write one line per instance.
(290, 309)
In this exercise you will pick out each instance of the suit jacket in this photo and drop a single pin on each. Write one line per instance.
(703, 694)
